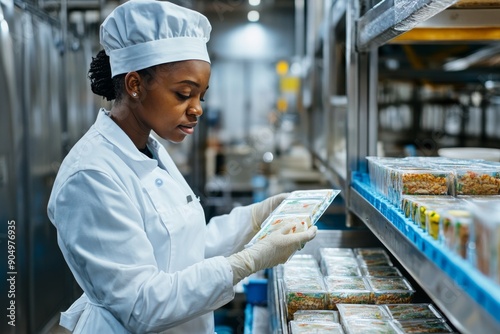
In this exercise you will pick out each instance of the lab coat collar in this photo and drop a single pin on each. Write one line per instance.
(119, 139)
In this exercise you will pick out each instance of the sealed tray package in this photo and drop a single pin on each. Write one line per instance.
(302, 209)
(316, 315)
(301, 271)
(438, 202)
(362, 311)
(301, 223)
(412, 311)
(335, 252)
(374, 260)
(485, 236)
(454, 230)
(370, 251)
(391, 290)
(347, 290)
(433, 214)
(421, 181)
(364, 326)
(380, 271)
(346, 266)
(314, 327)
(424, 326)
(477, 181)
(304, 293)
(332, 269)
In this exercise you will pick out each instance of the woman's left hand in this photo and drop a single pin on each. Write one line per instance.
(261, 210)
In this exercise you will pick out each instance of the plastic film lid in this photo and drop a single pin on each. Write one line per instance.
(362, 311)
(307, 327)
(412, 311)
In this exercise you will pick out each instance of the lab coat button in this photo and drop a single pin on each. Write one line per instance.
(159, 182)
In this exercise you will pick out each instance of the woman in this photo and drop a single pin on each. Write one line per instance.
(130, 228)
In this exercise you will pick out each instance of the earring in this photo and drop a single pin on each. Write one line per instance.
(134, 94)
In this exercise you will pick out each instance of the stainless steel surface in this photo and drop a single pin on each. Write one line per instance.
(39, 77)
(464, 312)
(390, 18)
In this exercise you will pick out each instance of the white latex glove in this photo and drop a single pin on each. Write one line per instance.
(274, 249)
(261, 210)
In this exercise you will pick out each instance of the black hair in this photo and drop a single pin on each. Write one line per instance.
(109, 88)
(101, 82)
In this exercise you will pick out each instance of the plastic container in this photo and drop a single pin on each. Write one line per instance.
(477, 181)
(304, 293)
(347, 290)
(412, 311)
(317, 315)
(424, 326)
(364, 326)
(485, 236)
(304, 327)
(381, 271)
(302, 208)
(393, 290)
(360, 311)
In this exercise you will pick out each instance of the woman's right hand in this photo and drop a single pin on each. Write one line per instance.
(274, 249)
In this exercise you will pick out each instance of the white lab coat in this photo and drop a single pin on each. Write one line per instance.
(135, 237)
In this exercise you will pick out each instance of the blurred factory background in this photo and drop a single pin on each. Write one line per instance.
(276, 116)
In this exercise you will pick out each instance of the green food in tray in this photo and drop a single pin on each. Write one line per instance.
(316, 315)
(381, 271)
(304, 327)
(424, 326)
(361, 311)
(412, 311)
(372, 326)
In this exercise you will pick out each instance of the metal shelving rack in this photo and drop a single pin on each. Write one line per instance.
(365, 32)
(368, 25)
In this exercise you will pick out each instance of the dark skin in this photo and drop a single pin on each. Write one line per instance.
(169, 103)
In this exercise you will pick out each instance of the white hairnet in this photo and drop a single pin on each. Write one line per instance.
(142, 33)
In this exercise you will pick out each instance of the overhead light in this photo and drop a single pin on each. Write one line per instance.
(254, 2)
(253, 16)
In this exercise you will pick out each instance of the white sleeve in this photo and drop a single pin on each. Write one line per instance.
(227, 234)
(101, 234)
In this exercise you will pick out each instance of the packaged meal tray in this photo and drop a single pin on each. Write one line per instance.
(370, 251)
(485, 235)
(314, 327)
(332, 269)
(412, 311)
(306, 293)
(347, 290)
(418, 181)
(370, 326)
(374, 260)
(421, 206)
(301, 271)
(409, 203)
(346, 265)
(380, 271)
(454, 230)
(391, 290)
(335, 252)
(302, 209)
(362, 311)
(316, 315)
(477, 181)
(424, 326)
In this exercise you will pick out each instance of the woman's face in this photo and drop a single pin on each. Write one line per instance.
(171, 101)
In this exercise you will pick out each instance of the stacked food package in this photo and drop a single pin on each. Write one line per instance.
(301, 209)
(456, 202)
(353, 290)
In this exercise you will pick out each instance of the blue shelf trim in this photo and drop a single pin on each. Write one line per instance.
(479, 287)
